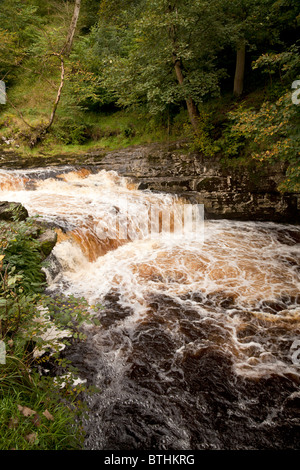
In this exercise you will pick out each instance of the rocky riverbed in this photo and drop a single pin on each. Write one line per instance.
(227, 191)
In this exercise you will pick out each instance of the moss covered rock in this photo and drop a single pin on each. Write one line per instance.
(10, 211)
(47, 241)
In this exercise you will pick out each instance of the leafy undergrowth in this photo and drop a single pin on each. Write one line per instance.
(40, 408)
(77, 132)
(37, 415)
(261, 128)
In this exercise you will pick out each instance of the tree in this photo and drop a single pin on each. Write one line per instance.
(64, 53)
(246, 20)
(252, 24)
(271, 133)
(238, 86)
(19, 28)
(178, 66)
(36, 51)
(164, 56)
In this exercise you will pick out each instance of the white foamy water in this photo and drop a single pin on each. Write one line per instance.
(241, 282)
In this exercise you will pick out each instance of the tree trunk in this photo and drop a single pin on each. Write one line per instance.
(42, 131)
(69, 41)
(62, 78)
(240, 69)
(191, 107)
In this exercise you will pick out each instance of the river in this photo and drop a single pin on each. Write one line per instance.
(199, 339)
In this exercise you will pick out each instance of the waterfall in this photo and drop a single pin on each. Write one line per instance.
(198, 341)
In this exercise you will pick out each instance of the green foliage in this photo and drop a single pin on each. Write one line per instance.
(39, 35)
(70, 131)
(135, 53)
(36, 431)
(25, 312)
(36, 411)
(20, 26)
(281, 67)
(21, 280)
(271, 133)
(9, 52)
(203, 140)
(247, 19)
(22, 254)
(123, 60)
(70, 312)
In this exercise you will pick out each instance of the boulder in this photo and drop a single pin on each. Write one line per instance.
(47, 241)
(10, 211)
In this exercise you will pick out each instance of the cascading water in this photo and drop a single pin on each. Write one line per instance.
(199, 343)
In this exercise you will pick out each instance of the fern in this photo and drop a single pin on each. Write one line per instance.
(21, 253)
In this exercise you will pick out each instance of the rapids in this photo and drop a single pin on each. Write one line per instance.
(199, 342)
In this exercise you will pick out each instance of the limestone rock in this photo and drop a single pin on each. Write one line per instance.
(10, 211)
(231, 192)
(47, 241)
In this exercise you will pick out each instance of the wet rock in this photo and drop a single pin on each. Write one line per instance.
(10, 211)
(230, 192)
(292, 403)
(53, 268)
(47, 241)
(113, 310)
(240, 193)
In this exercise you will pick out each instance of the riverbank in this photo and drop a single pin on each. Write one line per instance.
(40, 407)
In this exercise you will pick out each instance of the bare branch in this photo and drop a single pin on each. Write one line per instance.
(62, 78)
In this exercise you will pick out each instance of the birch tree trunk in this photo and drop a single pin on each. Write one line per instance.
(70, 37)
(62, 78)
(63, 53)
